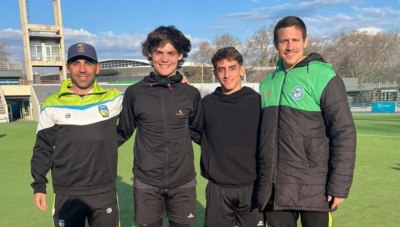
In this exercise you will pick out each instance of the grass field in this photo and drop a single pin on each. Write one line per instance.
(374, 199)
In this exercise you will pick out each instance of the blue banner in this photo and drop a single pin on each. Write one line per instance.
(384, 107)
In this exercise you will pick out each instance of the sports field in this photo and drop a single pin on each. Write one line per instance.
(374, 199)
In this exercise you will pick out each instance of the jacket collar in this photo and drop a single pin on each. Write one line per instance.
(67, 84)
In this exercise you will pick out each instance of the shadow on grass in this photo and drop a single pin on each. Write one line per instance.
(125, 202)
(396, 167)
(2, 135)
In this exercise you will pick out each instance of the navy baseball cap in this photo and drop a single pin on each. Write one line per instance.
(82, 50)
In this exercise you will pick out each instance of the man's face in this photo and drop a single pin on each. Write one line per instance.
(83, 73)
(229, 74)
(290, 46)
(165, 60)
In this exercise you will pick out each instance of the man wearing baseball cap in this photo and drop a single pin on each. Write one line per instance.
(76, 140)
(82, 50)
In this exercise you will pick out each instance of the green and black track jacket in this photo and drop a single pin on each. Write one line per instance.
(76, 138)
(166, 114)
(308, 138)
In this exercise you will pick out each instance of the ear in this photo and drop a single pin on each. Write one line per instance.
(66, 65)
(98, 68)
(305, 42)
(242, 70)
(180, 56)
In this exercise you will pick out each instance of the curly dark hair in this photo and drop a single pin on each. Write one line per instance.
(163, 35)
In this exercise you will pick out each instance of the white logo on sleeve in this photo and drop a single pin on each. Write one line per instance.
(109, 210)
(190, 216)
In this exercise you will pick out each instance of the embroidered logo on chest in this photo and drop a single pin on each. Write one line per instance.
(103, 110)
(265, 94)
(297, 92)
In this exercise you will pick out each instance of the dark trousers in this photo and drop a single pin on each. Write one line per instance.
(152, 204)
(100, 210)
(289, 218)
(229, 207)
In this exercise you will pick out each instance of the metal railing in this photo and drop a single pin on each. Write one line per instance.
(9, 65)
(46, 57)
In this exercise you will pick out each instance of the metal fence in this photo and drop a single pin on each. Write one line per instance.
(7, 65)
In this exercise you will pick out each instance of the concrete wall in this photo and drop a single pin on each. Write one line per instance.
(3, 108)
(34, 106)
(16, 90)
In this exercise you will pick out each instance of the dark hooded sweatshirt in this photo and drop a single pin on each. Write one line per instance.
(229, 138)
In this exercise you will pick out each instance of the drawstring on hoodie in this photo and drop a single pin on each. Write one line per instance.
(160, 84)
(154, 80)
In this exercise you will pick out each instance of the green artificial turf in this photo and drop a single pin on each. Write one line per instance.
(373, 200)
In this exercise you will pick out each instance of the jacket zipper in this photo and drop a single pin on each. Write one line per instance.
(165, 139)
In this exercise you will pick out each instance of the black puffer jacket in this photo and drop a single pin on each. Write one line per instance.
(308, 138)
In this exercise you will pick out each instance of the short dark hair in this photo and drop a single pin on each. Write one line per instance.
(290, 21)
(228, 53)
(163, 35)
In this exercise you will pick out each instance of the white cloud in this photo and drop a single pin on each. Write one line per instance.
(108, 44)
(370, 30)
(13, 40)
(10, 33)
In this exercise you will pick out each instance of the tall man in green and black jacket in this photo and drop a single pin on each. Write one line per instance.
(308, 138)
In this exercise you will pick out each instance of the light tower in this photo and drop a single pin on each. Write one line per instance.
(43, 44)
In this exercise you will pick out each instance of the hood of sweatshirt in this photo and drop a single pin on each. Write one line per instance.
(154, 80)
(234, 96)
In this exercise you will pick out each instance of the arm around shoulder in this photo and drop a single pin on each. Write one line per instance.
(126, 123)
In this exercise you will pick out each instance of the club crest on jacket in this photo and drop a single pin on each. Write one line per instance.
(103, 110)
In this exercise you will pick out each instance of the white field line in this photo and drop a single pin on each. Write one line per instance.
(378, 136)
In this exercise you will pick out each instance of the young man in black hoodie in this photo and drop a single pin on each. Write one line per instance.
(165, 112)
(229, 144)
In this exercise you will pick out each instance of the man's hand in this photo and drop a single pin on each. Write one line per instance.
(185, 80)
(334, 201)
(40, 201)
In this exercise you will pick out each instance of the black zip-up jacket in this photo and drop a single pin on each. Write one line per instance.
(76, 140)
(229, 137)
(165, 113)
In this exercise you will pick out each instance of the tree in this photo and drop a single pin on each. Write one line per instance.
(367, 56)
(4, 55)
(260, 47)
(207, 49)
